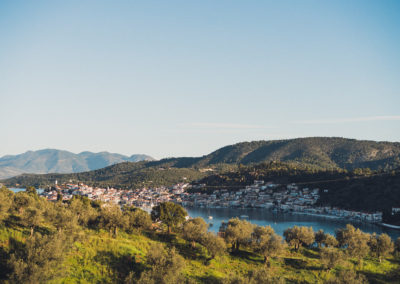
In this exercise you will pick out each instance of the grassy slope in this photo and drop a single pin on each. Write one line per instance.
(99, 258)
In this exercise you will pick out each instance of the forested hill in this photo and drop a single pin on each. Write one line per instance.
(320, 151)
(325, 152)
(122, 175)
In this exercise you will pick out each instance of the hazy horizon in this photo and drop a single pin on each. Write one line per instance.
(186, 78)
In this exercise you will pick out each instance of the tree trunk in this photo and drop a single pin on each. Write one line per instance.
(193, 244)
(169, 229)
(32, 229)
(115, 231)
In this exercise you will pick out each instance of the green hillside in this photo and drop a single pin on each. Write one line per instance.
(80, 241)
(123, 175)
(325, 152)
(321, 151)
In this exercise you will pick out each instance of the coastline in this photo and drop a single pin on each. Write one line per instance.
(390, 226)
(275, 210)
(281, 220)
(318, 215)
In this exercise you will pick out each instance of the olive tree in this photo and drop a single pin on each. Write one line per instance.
(322, 238)
(5, 203)
(39, 260)
(214, 244)
(354, 240)
(22, 201)
(238, 232)
(194, 230)
(83, 209)
(137, 218)
(111, 218)
(298, 236)
(170, 214)
(31, 190)
(330, 241)
(62, 218)
(32, 218)
(165, 267)
(266, 242)
(330, 257)
(381, 246)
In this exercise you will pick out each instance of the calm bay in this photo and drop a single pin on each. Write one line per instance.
(281, 221)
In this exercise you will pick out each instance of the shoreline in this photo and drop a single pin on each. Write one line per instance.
(309, 214)
(394, 227)
(319, 215)
(282, 220)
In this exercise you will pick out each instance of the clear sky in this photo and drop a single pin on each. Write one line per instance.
(183, 78)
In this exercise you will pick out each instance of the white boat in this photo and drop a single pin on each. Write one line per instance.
(210, 217)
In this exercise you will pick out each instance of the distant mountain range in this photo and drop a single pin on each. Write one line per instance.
(318, 153)
(58, 161)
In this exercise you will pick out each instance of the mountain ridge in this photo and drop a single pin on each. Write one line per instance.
(61, 161)
(329, 152)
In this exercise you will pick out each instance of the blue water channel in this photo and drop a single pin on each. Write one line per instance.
(281, 221)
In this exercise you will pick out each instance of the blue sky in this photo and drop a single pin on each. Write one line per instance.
(183, 78)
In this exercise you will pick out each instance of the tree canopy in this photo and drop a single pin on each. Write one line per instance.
(170, 214)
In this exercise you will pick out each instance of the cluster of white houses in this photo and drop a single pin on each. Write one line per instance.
(268, 195)
(289, 198)
(145, 197)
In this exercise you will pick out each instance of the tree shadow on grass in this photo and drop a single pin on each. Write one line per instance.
(13, 222)
(42, 230)
(188, 252)
(121, 265)
(310, 253)
(394, 261)
(184, 249)
(160, 237)
(295, 263)
(390, 277)
(4, 269)
(247, 255)
(209, 279)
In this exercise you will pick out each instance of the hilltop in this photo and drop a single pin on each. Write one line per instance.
(325, 152)
(84, 241)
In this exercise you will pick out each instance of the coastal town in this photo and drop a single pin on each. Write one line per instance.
(266, 195)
